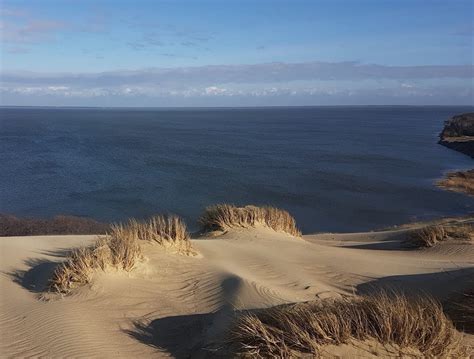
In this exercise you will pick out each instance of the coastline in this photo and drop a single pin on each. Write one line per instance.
(463, 145)
(458, 135)
(164, 303)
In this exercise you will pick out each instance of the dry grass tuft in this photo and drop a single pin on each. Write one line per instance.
(167, 231)
(224, 216)
(459, 182)
(120, 249)
(301, 329)
(427, 236)
(430, 235)
(460, 308)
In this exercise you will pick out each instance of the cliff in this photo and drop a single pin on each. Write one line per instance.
(458, 134)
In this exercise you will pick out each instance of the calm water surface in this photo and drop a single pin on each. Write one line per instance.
(334, 168)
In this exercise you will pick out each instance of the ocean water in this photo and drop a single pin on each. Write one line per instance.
(334, 168)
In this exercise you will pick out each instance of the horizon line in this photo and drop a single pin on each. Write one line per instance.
(227, 107)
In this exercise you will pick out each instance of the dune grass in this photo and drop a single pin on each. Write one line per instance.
(429, 236)
(300, 330)
(221, 217)
(460, 308)
(120, 249)
(167, 231)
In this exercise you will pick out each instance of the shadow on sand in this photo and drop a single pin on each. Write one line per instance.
(187, 336)
(438, 284)
(203, 335)
(194, 335)
(392, 245)
(35, 279)
(455, 290)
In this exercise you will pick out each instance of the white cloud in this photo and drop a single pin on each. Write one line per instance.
(257, 84)
(214, 90)
(216, 75)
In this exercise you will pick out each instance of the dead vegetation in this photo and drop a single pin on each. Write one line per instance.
(120, 249)
(429, 236)
(221, 217)
(167, 231)
(459, 182)
(300, 330)
(14, 226)
(117, 250)
(460, 309)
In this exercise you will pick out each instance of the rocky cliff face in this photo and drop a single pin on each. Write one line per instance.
(458, 134)
(459, 126)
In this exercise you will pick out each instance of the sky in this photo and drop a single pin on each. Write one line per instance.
(236, 53)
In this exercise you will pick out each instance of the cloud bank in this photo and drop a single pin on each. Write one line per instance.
(298, 83)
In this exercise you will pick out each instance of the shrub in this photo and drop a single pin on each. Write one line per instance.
(225, 216)
(461, 232)
(427, 236)
(299, 330)
(14, 226)
(430, 235)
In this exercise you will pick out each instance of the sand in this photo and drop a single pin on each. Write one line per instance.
(177, 306)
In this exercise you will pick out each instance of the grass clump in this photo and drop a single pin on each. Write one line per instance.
(221, 217)
(427, 236)
(167, 231)
(120, 249)
(431, 235)
(300, 330)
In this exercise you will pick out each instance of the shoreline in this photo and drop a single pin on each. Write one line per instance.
(458, 135)
(464, 146)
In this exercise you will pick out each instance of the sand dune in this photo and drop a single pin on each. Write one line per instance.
(176, 306)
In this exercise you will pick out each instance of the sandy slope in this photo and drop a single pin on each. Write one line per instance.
(172, 305)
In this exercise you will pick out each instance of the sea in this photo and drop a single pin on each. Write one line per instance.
(336, 169)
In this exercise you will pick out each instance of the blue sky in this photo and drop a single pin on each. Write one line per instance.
(236, 53)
